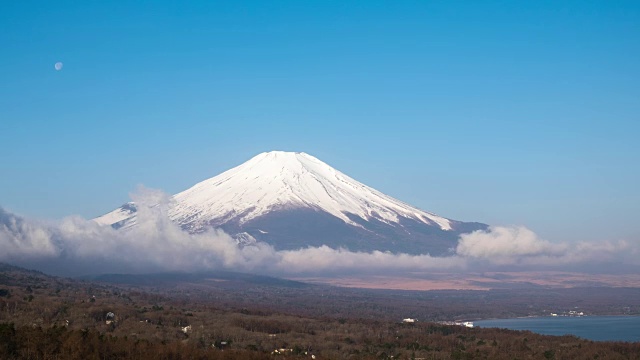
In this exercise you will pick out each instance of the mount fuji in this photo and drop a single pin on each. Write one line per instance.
(293, 200)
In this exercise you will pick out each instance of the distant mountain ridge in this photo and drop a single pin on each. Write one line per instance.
(293, 200)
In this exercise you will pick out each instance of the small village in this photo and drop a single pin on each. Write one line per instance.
(468, 324)
(570, 313)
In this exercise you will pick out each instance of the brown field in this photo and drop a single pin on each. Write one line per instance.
(478, 281)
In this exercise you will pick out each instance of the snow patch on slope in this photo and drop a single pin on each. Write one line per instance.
(121, 215)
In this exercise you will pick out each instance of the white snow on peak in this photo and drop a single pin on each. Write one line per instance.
(276, 180)
(284, 180)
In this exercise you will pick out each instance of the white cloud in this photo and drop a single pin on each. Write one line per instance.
(518, 245)
(24, 239)
(326, 259)
(506, 244)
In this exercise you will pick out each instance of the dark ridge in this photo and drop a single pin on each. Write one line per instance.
(173, 278)
(291, 229)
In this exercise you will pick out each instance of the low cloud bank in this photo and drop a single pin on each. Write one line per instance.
(518, 246)
(326, 260)
(75, 246)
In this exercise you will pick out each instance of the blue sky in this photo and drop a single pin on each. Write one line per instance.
(502, 112)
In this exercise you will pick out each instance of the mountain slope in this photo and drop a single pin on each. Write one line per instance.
(293, 200)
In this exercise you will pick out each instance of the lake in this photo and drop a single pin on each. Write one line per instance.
(599, 328)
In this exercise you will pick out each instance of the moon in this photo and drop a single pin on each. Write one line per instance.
(58, 66)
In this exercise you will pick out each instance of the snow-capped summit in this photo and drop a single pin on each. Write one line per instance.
(277, 180)
(292, 200)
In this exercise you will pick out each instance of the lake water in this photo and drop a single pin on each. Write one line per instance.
(599, 328)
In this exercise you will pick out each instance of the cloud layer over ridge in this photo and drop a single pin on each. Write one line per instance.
(76, 246)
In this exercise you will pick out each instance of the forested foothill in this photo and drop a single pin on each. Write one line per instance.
(239, 316)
